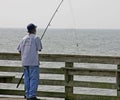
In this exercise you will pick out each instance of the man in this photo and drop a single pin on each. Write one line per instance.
(28, 48)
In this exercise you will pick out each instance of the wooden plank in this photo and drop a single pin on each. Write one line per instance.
(12, 99)
(11, 69)
(52, 82)
(12, 92)
(6, 76)
(92, 84)
(51, 70)
(67, 58)
(91, 72)
(91, 97)
(73, 71)
(5, 79)
(42, 70)
(70, 83)
(80, 58)
(51, 94)
(42, 82)
(10, 56)
(3, 98)
(118, 80)
(68, 78)
(40, 93)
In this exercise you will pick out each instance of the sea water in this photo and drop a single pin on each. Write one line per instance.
(102, 42)
(67, 41)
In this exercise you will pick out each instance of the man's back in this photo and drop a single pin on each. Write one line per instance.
(29, 48)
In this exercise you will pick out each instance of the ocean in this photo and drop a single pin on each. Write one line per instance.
(67, 41)
(101, 42)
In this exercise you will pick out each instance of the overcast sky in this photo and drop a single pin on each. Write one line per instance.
(72, 13)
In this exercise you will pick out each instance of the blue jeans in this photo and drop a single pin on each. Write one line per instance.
(31, 80)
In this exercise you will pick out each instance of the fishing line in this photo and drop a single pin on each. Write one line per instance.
(74, 21)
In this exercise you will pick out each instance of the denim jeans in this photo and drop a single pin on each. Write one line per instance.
(31, 80)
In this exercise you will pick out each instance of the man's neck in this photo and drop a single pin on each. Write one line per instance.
(32, 33)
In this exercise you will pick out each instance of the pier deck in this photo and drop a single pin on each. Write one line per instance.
(97, 68)
(12, 99)
(15, 99)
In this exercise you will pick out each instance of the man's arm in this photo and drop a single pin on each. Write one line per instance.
(38, 44)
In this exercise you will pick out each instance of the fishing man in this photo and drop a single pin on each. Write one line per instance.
(28, 48)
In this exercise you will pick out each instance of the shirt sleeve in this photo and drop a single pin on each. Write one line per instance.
(38, 44)
(19, 46)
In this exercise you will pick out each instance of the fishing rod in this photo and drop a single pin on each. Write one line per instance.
(51, 19)
(43, 35)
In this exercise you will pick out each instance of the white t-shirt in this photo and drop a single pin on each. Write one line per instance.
(29, 47)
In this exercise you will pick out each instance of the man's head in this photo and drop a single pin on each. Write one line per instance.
(31, 28)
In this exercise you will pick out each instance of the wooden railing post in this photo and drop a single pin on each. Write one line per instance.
(118, 80)
(68, 78)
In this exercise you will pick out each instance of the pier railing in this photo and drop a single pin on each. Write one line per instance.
(69, 71)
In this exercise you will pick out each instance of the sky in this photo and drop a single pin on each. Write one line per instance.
(95, 14)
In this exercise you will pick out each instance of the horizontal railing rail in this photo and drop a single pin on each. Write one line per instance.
(67, 58)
